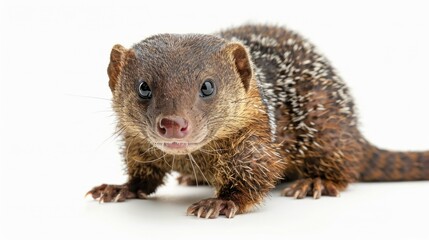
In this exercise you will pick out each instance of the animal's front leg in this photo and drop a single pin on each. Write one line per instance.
(241, 182)
(144, 177)
(137, 187)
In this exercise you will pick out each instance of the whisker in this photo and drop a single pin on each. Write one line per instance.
(112, 137)
(149, 149)
(193, 169)
(83, 96)
(128, 147)
(166, 161)
(193, 160)
(151, 161)
(172, 164)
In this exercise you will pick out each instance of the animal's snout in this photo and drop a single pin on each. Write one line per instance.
(173, 127)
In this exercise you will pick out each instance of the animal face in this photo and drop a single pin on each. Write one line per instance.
(180, 92)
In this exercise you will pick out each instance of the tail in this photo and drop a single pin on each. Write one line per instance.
(382, 165)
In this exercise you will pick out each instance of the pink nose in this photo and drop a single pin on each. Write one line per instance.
(173, 127)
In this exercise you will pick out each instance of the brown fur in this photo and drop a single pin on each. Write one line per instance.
(316, 142)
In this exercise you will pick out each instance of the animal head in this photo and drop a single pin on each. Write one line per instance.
(179, 92)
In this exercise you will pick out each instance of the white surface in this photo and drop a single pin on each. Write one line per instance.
(55, 146)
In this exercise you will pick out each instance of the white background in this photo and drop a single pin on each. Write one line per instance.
(55, 144)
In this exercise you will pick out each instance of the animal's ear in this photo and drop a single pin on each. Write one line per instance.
(241, 60)
(117, 63)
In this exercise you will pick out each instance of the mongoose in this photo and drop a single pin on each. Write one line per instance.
(241, 110)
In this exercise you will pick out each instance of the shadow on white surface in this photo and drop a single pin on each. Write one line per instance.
(365, 210)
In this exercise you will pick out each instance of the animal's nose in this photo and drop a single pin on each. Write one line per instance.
(173, 127)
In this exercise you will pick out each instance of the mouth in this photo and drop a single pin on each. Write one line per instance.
(177, 147)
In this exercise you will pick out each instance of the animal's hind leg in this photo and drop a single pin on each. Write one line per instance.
(328, 168)
(329, 161)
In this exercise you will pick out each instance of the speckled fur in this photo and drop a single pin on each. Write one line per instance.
(288, 115)
(315, 116)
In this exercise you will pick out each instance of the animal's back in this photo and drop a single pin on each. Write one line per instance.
(309, 103)
(312, 113)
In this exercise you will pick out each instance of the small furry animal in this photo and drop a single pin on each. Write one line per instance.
(240, 110)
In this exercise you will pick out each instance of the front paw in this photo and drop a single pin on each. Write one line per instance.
(212, 208)
(114, 193)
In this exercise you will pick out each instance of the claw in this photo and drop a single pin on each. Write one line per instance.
(117, 197)
(209, 213)
(101, 199)
(316, 194)
(285, 191)
(86, 195)
(200, 211)
(141, 194)
(231, 213)
(212, 207)
(235, 211)
(191, 210)
(296, 194)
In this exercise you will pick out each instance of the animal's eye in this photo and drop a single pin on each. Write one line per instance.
(207, 89)
(144, 90)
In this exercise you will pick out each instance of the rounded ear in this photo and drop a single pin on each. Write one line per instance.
(117, 62)
(241, 60)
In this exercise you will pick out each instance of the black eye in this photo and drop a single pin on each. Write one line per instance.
(207, 89)
(144, 90)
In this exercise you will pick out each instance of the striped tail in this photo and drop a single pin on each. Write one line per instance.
(382, 165)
